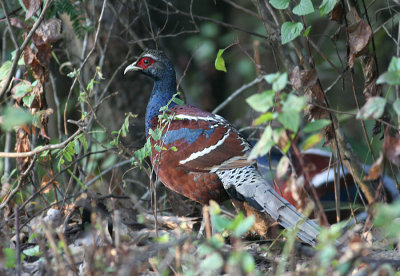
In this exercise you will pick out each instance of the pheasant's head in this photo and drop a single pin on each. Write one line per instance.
(153, 63)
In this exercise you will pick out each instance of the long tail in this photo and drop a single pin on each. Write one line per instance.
(286, 214)
(246, 184)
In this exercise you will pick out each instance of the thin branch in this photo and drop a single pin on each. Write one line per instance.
(14, 40)
(106, 171)
(41, 149)
(237, 92)
(16, 189)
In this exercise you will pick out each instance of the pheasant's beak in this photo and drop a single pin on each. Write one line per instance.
(132, 67)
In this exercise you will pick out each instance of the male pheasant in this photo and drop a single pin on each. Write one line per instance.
(203, 157)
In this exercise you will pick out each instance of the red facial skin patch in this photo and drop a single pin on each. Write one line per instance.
(145, 62)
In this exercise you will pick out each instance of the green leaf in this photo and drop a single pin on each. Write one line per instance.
(290, 120)
(373, 108)
(212, 262)
(219, 61)
(262, 102)
(220, 223)
(28, 100)
(316, 125)
(279, 4)
(290, 30)
(244, 226)
(140, 154)
(215, 209)
(73, 74)
(21, 60)
(5, 69)
(90, 85)
(10, 257)
(264, 145)
(396, 106)
(21, 89)
(294, 103)
(394, 65)
(264, 118)
(157, 148)
(76, 145)
(304, 7)
(163, 239)
(311, 141)
(278, 80)
(14, 117)
(248, 263)
(33, 251)
(67, 156)
(83, 141)
(155, 134)
(173, 148)
(327, 6)
(178, 101)
(307, 31)
(392, 76)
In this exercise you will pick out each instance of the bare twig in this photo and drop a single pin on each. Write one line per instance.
(17, 245)
(16, 189)
(40, 149)
(237, 92)
(13, 38)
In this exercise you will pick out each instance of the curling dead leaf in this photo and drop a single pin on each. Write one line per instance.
(22, 145)
(306, 81)
(371, 88)
(49, 30)
(302, 79)
(391, 146)
(360, 35)
(337, 12)
(17, 23)
(376, 169)
(45, 182)
(32, 7)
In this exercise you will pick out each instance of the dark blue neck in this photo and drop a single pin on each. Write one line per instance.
(162, 93)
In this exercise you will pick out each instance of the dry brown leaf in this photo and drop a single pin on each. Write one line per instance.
(376, 169)
(360, 35)
(45, 181)
(44, 53)
(32, 7)
(49, 31)
(371, 89)
(22, 145)
(391, 146)
(17, 23)
(302, 79)
(337, 12)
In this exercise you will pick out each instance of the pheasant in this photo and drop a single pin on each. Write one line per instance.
(203, 157)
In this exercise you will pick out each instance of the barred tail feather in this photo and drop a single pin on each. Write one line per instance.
(286, 214)
(246, 184)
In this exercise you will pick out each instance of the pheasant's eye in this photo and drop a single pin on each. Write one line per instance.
(145, 62)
